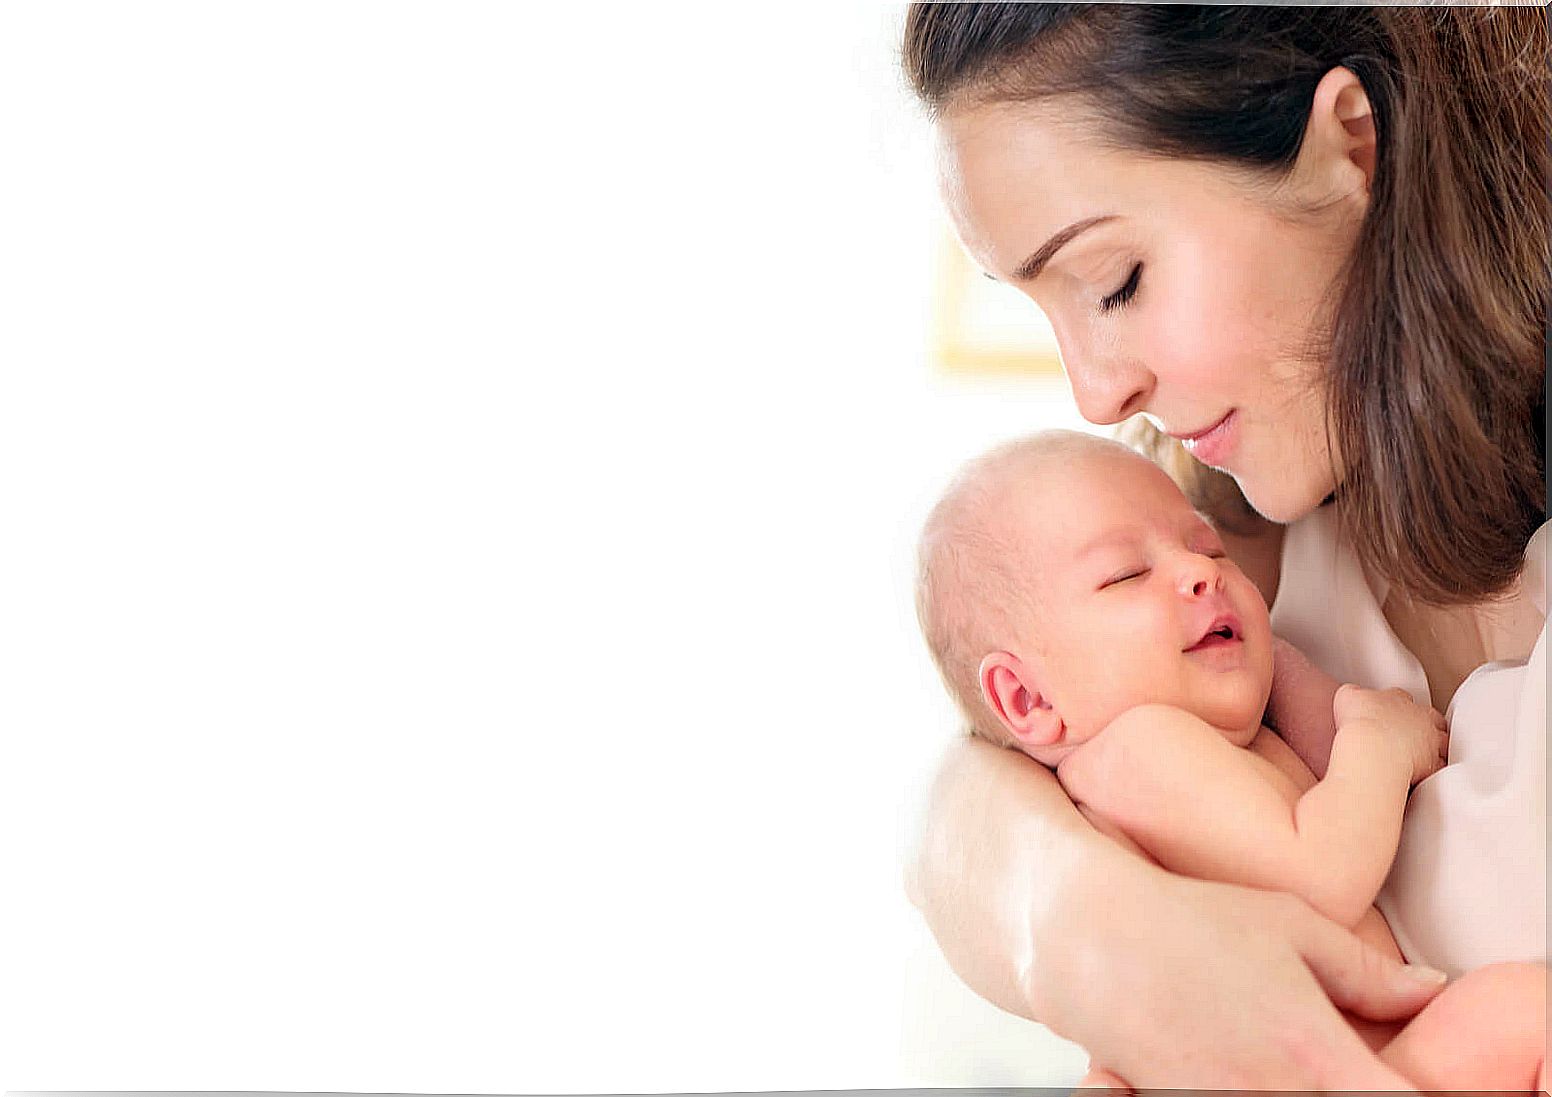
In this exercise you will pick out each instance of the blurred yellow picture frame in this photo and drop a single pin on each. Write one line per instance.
(984, 327)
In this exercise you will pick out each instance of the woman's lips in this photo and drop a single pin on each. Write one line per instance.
(1213, 445)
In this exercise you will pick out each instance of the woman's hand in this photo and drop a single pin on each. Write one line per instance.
(1179, 983)
(1168, 981)
(1100, 1078)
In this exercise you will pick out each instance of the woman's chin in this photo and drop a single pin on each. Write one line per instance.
(1285, 502)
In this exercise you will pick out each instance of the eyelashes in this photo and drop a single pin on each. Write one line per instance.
(1139, 571)
(1127, 291)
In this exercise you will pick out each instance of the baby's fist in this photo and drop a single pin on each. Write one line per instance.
(1421, 731)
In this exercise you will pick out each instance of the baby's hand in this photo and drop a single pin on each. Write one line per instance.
(1420, 731)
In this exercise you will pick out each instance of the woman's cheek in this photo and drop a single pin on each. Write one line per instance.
(1190, 343)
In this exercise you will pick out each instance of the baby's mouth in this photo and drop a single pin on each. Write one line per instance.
(1221, 633)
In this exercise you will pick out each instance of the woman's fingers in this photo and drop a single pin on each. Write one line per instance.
(1356, 976)
(1236, 999)
(1322, 1047)
(1362, 980)
(1365, 1074)
(1100, 1078)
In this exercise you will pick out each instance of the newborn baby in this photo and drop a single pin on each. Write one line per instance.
(1082, 612)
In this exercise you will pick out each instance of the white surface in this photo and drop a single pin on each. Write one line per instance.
(461, 464)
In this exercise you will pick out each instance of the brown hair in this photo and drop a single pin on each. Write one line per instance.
(1435, 376)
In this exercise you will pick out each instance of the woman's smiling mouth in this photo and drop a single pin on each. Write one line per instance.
(1212, 445)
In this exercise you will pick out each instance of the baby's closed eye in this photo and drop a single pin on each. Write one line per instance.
(1125, 574)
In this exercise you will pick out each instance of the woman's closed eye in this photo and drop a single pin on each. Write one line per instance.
(1127, 291)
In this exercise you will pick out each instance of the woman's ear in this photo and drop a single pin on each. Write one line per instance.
(1337, 156)
(1011, 692)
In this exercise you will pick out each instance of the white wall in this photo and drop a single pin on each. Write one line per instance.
(460, 464)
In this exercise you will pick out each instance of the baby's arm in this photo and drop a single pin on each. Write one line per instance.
(1209, 809)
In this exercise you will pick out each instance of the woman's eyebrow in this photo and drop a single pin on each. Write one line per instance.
(1030, 268)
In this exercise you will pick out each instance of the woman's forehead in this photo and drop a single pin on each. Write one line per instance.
(1013, 176)
(980, 151)
(1012, 179)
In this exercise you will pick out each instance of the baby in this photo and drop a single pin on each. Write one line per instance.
(1082, 612)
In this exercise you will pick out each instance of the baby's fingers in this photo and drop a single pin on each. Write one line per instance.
(1348, 698)
(1441, 737)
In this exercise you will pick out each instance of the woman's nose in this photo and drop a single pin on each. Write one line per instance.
(1107, 387)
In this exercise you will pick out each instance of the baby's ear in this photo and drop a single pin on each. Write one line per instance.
(1011, 691)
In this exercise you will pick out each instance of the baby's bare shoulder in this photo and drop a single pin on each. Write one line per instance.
(1138, 739)
(1145, 759)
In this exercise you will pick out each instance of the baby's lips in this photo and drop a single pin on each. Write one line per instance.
(1221, 620)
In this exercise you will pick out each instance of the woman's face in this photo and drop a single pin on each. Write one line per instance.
(1174, 288)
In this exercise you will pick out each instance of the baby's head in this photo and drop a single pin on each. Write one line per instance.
(1065, 579)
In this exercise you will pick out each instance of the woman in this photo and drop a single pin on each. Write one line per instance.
(1311, 244)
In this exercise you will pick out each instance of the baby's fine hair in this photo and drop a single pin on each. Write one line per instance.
(973, 580)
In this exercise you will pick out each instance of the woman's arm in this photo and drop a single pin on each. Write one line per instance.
(1301, 707)
(1167, 980)
(999, 832)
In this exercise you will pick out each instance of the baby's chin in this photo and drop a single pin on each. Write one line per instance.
(1239, 718)
(1250, 720)
(1241, 735)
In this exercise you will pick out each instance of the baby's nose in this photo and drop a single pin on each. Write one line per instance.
(1202, 578)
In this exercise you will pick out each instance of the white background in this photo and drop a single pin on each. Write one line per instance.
(459, 465)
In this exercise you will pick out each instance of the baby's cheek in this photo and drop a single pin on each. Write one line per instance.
(1123, 678)
(1152, 683)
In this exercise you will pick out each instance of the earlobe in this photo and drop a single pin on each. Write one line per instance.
(1012, 693)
